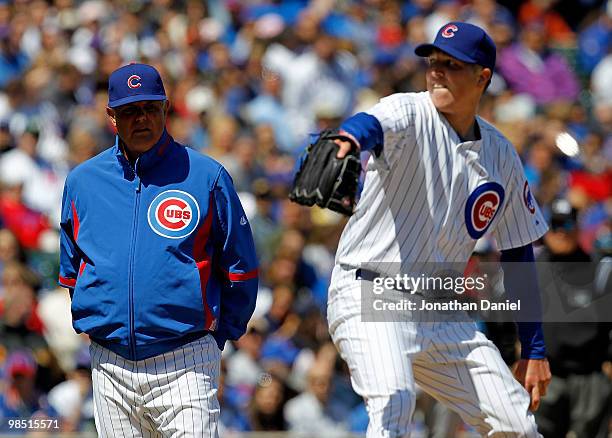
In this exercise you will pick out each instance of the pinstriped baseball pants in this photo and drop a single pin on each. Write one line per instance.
(170, 395)
(450, 360)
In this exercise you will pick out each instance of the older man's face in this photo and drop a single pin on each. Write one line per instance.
(140, 124)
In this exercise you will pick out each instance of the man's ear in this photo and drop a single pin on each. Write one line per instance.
(166, 107)
(485, 76)
(111, 115)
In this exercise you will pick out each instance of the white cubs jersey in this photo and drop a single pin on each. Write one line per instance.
(429, 196)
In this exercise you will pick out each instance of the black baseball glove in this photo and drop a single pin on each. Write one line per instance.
(325, 180)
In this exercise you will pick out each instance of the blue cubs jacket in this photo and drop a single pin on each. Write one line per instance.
(156, 254)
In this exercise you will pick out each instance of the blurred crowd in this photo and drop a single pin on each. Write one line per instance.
(249, 82)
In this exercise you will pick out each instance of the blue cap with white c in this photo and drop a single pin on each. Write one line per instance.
(464, 41)
(133, 83)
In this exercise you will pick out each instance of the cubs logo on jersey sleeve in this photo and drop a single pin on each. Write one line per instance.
(481, 207)
(173, 214)
(528, 198)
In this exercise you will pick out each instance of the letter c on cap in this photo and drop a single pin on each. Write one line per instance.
(449, 31)
(134, 81)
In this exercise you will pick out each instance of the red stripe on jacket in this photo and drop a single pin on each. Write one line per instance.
(82, 268)
(239, 276)
(203, 262)
(75, 222)
(68, 282)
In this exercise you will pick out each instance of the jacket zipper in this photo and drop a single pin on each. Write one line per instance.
(131, 264)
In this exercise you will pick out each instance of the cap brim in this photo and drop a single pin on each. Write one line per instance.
(425, 50)
(135, 98)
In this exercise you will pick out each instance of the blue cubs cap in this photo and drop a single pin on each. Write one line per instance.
(133, 83)
(464, 41)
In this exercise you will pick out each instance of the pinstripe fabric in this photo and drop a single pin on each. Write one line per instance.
(415, 193)
(444, 354)
(170, 395)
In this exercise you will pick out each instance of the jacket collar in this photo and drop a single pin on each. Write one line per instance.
(150, 157)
